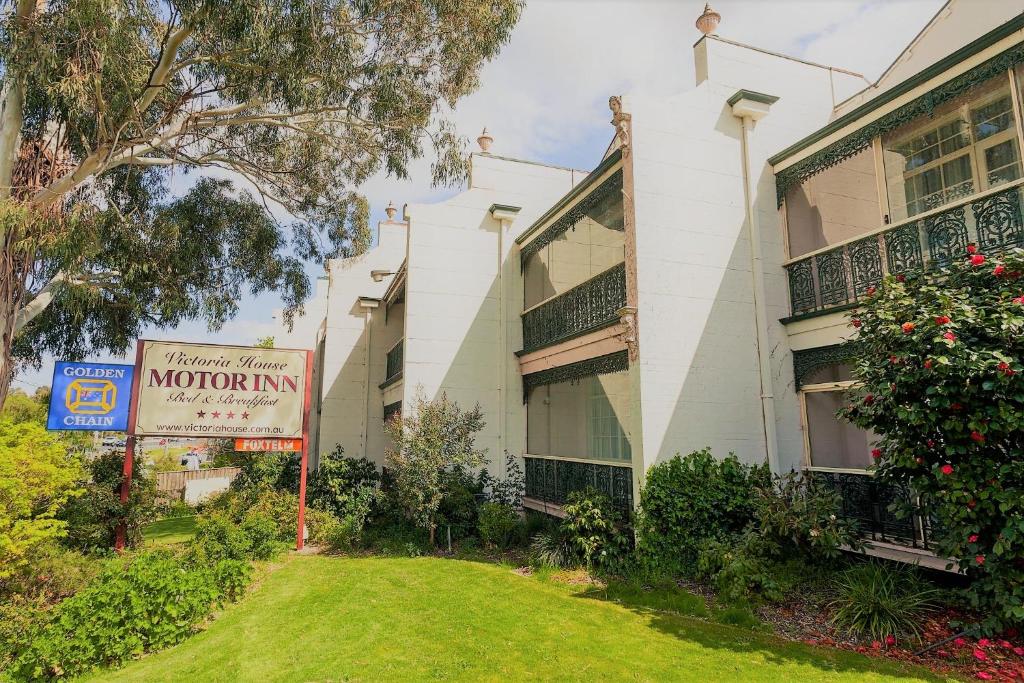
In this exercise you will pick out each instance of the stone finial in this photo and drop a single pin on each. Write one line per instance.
(391, 211)
(708, 22)
(484, 140)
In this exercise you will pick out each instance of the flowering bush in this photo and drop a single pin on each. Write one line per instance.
(940, 359)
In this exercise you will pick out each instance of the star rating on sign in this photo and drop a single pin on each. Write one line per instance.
(231, 415)
(245, 416)
(215, 414)
(201, 414)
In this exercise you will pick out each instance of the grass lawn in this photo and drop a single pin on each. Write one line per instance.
(170, 530)
(323, 618)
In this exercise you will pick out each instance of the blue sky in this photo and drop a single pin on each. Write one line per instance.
(545, 97)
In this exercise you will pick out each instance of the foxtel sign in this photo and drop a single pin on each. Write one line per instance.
(204, 390)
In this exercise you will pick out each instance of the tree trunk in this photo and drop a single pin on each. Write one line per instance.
(433, 528)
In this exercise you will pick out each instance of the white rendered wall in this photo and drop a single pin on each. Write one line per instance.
(698, 366)
(452, 343)
(348, 391)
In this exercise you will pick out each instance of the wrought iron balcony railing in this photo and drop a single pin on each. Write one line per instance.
(395, 359)
(841, 276)
(588, 306)
(872, 504)
(552, 480)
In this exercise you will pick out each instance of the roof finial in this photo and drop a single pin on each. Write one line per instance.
(391, 211)
(708, 22)
(484, 140)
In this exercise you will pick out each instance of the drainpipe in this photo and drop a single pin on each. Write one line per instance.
(367, 304)
(504, 215)
(750, 107)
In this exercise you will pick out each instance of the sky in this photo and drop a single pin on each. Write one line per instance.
(545, 97)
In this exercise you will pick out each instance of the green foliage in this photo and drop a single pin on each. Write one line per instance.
(508, 490)
(93, 517)
(344, 532)
(273, 470)
(20, 407)
(38, 475)
(498, 524)
(877, 599)
(339, 481)
(461, 496)
(687, 501)
(795, 527)
(305, 101)
(219, 537)
(940, 361)
(138, 605)
(429, 443)
(550, 548)
(592, 528)
(262, 532)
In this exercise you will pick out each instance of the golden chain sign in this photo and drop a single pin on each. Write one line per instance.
(206, 390)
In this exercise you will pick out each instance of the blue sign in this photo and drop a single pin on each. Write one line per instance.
(92, 397)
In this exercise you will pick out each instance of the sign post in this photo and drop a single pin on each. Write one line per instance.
(129, 449)
(300, 534)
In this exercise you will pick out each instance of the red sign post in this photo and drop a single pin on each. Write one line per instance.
(207, 382)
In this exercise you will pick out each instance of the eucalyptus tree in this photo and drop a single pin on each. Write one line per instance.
(108, 106)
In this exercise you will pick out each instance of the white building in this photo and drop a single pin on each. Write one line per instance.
(690, 291)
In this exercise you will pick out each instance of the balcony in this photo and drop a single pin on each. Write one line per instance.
(584, 308)
(551, 481)
(838, 277)
(867, 501)
(395, 359)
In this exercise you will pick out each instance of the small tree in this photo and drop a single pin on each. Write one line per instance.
(940, 359)
(38, 474)
(435, 438)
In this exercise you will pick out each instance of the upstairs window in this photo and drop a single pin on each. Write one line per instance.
(967, 146)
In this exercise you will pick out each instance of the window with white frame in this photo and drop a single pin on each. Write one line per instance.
(967, 146)
(831, 442)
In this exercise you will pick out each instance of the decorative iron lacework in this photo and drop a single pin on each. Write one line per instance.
(392, 409)
(883, 511)
(587, 306)
(574, 215)
(842, 275)
(613, 362)
(809, 361)
(859, 140)
(552, 481)
(394, 361)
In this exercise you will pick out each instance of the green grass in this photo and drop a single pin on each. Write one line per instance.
(170, 530)
(323, 618)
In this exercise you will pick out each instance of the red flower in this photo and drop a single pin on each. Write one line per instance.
(983, 642)
(869, 399)
(978, 260)
(971, 504)
(870, 291)
(875, 645)
(876, 453)
(893, 359)
(950, 336)
(980, 559)
(999, 270)
(1019, 651)
(1005, 644)
(973, 538)
(907, 327)
(928, 364)
(941, 319)
(1018, 300)
(978, 436)
(946, 469)
(901, 278)
(984, 675)
(1005, 368)
(890, 640)
(955, 406)
(930, 443)
(856, 323)
(959, 642)
(980, 655)
(971, 249)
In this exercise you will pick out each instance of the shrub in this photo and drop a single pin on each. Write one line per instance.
(940, 361)
(740, 569)
(498, 524)
(93, 517)
(37, 476)
(318, 522)
(338, 480)
(219, 538)
(550, 548)
(433, 439)
(262, 534)
(877, 600)
(687, 501)
(346, 532)
(460, 502)
(591, 527)
(100, 626)
(273, 470)
(508, 490)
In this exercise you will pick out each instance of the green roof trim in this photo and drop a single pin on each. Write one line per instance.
(751, 95)
(571, 196)
(504, 207)
(954, 58)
